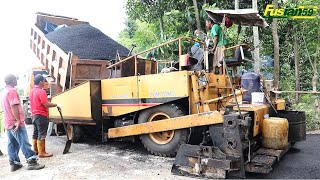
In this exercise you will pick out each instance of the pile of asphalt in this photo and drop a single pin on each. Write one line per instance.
(86, 42)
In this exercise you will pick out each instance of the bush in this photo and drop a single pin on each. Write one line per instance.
(306, 104)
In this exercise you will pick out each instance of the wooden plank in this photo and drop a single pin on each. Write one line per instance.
(274, 152)
(128, 68)
(208, 118)
(154, 66)
(147, 69)
(300, 92)
(141, 67)
(264, 159)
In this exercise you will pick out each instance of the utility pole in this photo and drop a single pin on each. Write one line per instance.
(256, 51)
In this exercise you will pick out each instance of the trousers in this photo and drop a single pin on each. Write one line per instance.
(16, 141)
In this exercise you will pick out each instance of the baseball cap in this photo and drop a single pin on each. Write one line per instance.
(38, 78)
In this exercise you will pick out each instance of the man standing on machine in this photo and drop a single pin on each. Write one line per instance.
(219, 42)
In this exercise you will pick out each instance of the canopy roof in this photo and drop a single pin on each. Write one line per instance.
(243, 17)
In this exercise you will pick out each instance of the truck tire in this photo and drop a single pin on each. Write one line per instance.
(27, 118)
(58, 129)
(163, 143)
(75, 132)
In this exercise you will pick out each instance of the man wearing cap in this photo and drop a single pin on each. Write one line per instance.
(40, 111)
(15, 127)
(218, 44)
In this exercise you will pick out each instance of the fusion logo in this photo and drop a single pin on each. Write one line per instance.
(308, 12)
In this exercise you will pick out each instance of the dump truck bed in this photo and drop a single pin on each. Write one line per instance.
(65, 69)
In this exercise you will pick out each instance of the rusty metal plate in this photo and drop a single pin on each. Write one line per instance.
(207, 172)
(217, 163)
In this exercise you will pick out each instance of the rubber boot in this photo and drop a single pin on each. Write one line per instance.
(42, 149)
(34, 165)
(35, 146)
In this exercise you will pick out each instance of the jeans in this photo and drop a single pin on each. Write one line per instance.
(40, 126)
(16, 141)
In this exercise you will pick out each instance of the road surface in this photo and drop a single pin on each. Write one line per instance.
(123, 160)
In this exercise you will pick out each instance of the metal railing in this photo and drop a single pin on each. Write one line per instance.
(180, 39)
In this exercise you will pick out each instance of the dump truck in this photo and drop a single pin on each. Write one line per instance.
(62, 69)
(207, 119)
(65, 69)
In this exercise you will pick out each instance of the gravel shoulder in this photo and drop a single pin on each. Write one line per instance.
(314, 132)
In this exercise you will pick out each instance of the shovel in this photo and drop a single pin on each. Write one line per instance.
(69, 141)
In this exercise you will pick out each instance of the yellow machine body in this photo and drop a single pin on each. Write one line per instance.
(80, 105)
(129, 94)
(121, 96)
(73, 107)
(199, 91)
(102, 102)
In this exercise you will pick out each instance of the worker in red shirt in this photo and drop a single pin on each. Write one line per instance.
(40, 111)
(15, 128)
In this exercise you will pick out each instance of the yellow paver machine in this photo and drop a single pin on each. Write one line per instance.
(217, 124)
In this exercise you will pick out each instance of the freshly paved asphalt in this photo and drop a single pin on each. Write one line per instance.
(301, 162)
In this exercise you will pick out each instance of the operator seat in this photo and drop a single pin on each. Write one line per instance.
(237, 59)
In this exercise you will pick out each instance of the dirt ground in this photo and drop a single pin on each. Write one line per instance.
(115, 160)
(124, 160)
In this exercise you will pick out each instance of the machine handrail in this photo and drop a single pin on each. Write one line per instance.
(158, 46)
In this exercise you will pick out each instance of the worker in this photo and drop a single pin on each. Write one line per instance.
(15, 127)
(39, 106)
(218, 45)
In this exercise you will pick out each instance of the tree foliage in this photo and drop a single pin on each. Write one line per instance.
(151, 22)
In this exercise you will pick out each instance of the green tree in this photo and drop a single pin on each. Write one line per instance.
(151, 11)
(151, 22)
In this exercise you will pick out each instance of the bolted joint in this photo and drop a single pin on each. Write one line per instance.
(245, 122)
